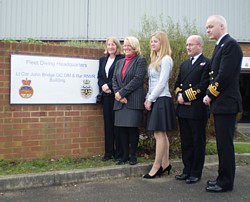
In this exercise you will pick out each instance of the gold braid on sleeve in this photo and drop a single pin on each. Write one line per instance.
(213, 89)
(177, 90)
(191, 94)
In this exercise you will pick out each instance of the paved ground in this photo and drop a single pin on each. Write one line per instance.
(127, 189)
(244, 128)
(122, 183)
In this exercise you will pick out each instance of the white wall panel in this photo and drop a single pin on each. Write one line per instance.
(99, 19)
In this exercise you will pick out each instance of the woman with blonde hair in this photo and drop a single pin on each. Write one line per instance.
(113, 50)
(161, 113)
(128, 87)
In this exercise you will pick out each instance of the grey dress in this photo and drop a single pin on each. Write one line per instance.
(126, 117)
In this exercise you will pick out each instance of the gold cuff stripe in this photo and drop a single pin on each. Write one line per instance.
(191, 94)
(213, 90)
(178, 89)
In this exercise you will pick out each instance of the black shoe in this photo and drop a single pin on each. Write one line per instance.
(121, 162)
(182, 176)
(117, 159)
(158, 173)
(192, 180)
(211, 182)
(167, 169)
(106, 158)
(216, 189)
(132, 162)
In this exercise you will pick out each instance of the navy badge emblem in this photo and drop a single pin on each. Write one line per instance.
(86, 89)
(26, 91)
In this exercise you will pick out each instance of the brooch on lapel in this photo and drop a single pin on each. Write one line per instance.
(222, 45)
(202, 64)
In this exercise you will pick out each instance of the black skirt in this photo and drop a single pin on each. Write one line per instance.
(162, 115)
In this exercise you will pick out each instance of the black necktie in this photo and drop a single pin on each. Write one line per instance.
(191, 60)
(215, 50)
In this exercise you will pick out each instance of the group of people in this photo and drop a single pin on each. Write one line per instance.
(203, 87)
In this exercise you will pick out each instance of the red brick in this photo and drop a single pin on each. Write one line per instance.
(34, 131)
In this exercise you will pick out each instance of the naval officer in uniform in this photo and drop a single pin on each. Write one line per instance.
(190, 88)
(224, 98)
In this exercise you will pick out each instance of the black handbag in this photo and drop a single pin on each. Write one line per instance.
(99, 98)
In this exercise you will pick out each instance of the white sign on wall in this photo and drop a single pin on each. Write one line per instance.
(53, 80)
(245, 63)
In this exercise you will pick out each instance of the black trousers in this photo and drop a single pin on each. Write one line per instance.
(193, 145)
(224, 129)
(111, 133)
(129, 141)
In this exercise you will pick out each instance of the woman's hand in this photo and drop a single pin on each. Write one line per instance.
(123, 100)
(120, 99)
(118, 96)
(147, 105)
(105, 88)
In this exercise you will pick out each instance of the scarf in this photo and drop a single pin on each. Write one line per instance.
(128, 59)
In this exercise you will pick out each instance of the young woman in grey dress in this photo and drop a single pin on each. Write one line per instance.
(161, 113)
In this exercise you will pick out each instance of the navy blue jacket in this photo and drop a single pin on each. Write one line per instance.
(192, 83)
(224, 77)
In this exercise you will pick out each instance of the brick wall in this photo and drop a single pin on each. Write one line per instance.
(35, 131)
(246, 49)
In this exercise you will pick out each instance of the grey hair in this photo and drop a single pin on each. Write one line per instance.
(221, 20)
(199, 39)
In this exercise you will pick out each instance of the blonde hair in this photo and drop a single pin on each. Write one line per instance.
(135, 44)
(116, 42)
(164, 50)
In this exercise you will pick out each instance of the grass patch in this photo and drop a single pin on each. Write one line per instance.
(10, 167)
(242, 148)
(238, 147)
(241, 144)
(211, 149)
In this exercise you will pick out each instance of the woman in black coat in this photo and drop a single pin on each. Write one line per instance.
(106, 69)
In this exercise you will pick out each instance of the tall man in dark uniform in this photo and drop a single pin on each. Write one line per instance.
(192, 113)
(224, 98)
